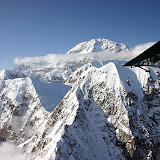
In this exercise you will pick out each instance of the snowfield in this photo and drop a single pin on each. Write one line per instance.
(86, 107)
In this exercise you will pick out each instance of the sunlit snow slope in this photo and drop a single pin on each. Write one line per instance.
(111, 112)
(88, 107)
(97, 45)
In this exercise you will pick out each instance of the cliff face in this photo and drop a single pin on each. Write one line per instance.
(21, 112)
(123, 107)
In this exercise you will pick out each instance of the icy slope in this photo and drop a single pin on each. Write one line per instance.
(111, 112)
(97, 45)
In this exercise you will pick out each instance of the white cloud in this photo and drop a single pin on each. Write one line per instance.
(55, 58)
(10, 152)
(140, 48)
(6, 63)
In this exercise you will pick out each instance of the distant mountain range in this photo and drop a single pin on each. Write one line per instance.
(61, 70)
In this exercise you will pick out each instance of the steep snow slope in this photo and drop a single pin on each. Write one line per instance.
(111, 112)
(50, 94)
(97, 45)
(21, 112)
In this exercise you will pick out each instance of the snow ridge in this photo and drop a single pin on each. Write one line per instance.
(104, 112)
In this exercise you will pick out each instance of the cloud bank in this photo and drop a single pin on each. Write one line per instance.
(10, 152)
(101, 56)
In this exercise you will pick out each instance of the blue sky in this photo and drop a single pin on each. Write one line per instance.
(40, 27)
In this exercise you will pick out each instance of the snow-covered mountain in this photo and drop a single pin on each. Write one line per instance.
(102, 111)
(61, 69)
(58, 72)
(98, 45)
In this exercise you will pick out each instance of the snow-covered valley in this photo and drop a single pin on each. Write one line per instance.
(82, 105)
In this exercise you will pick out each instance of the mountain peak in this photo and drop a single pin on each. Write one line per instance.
(98, 45)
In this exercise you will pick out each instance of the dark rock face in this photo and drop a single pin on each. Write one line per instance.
(18, 111)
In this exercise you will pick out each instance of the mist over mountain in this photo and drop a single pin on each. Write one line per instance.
(82, 105)
(58, 67)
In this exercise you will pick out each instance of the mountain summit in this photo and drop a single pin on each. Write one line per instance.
(98, 45)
